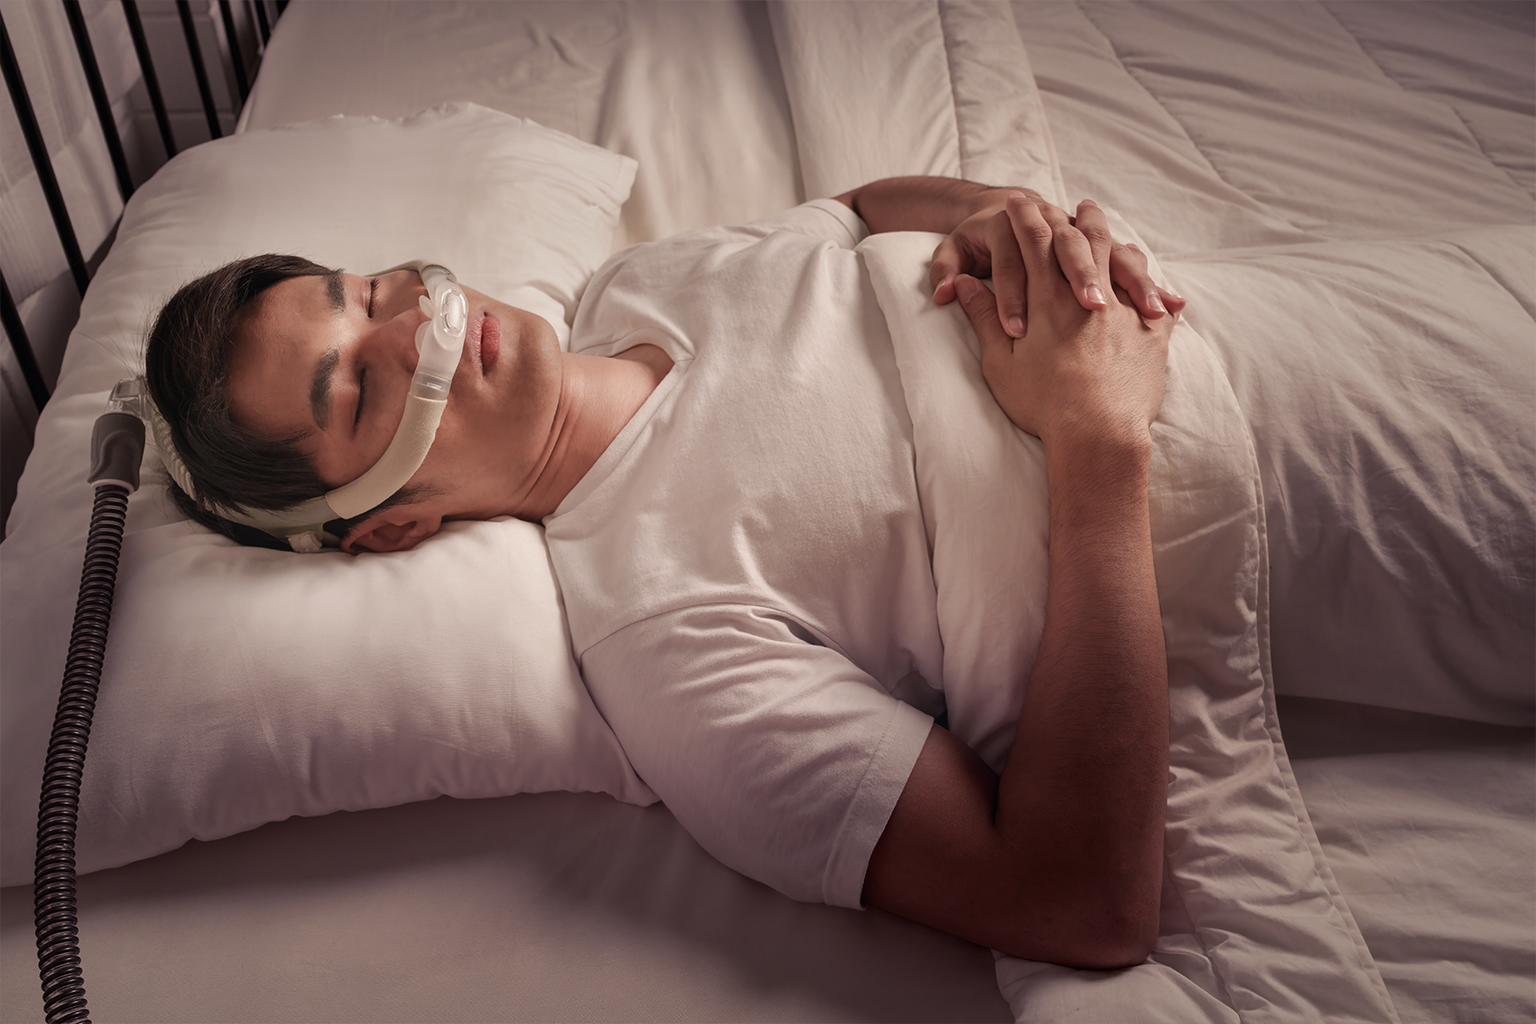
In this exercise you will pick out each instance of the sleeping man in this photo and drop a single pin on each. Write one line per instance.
(723, 465)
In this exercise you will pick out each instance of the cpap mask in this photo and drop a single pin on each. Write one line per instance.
(439, 344)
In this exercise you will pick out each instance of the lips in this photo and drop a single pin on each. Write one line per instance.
(490, 343)
(484, 338)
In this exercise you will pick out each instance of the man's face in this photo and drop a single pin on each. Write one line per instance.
(332, 358)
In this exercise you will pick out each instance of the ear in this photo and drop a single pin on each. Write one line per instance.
(394, 529)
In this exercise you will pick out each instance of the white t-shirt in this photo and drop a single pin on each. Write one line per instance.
(745, 569)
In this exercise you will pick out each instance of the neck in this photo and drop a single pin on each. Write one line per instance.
(598, 396)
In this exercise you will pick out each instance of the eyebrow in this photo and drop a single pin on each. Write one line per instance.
(335, 290)
(320, 387)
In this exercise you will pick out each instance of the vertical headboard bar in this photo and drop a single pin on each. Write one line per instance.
(17, 332)
(261, 20)
(151, 80)
(233, 38)
(41, 161)
(92, 71)
(10, 316)
(201, 73)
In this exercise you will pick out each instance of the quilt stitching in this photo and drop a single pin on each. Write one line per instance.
(1426, 96)
(1183, 128)
(1492, 272)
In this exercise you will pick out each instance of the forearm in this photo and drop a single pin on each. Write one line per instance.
(1060, 859)
(1088, 767)
(921, 203)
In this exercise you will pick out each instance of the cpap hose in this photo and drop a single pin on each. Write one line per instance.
(117, 445)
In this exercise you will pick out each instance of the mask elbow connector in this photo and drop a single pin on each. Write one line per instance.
(117, 439)
(117, 449)
(428, 385)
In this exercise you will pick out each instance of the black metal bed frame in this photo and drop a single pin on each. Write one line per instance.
(38, 148)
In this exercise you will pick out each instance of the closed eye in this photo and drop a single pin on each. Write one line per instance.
(362, 392)
(373, 287)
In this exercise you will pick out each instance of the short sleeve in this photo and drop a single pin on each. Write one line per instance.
(777, 754)
(656, 284)
(820, 218)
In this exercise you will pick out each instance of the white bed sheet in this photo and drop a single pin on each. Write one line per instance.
(550, 906)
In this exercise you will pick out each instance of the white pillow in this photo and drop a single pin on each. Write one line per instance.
(243, 685)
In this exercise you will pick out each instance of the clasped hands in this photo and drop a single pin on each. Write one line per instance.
(1062, 355)
(987, 243)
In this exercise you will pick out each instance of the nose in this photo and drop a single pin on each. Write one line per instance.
(396, 337)
(394, 333)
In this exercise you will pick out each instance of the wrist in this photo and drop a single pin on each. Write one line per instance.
(953, 202)
(1100, 512)
(1094, 439)
(1103, 461)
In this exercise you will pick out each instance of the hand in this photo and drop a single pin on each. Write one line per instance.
(1084, 372)
(989, 243)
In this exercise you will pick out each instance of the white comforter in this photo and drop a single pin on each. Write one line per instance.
(1253, 925)
(1393, 442)
(1351, 212)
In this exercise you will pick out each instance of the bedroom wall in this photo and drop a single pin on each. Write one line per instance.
(31, 257)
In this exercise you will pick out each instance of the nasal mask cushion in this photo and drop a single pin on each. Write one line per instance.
(439, 345)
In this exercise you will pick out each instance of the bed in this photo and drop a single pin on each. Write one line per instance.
(1345, 192)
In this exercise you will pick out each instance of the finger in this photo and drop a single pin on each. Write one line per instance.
(1028, 195)
(942, 270)
(1075, 256)
(1095, 230)
(981, 307)
(1033, 235)
(1128, 270)
(1008, 275)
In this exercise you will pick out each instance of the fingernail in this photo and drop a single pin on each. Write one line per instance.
(1016, 327)
(1155, 301)
(1016, 194)
(1089, 202)
(1096, 295)
(966, 288)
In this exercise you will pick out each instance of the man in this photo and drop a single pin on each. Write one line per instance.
(723, 465)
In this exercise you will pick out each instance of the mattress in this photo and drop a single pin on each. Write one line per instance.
(1218, 130)
(565, 906)
(557, 906)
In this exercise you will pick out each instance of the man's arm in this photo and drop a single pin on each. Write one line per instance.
(923, 203)
(983, 225)
(1060, 859)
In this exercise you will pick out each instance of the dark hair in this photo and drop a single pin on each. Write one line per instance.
(186, 366)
